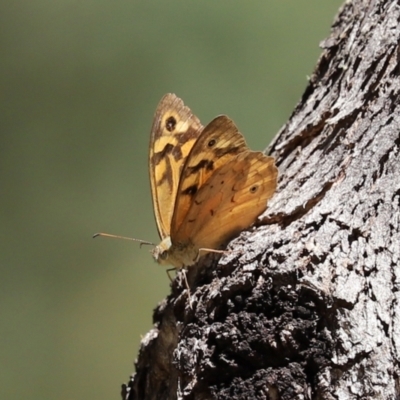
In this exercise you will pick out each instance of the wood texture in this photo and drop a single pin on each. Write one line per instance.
(310, 306)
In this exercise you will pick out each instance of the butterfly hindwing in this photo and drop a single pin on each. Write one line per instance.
(174, 132)
(230, 201)
(218, 144)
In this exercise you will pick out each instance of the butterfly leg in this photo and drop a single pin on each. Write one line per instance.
(187, 286)
(168, 271)
(185, 280)
(205, 250)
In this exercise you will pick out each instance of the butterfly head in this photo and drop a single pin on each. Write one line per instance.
(160, 253)
(177, 255)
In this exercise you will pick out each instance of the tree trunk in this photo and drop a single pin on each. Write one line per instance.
(309, 308)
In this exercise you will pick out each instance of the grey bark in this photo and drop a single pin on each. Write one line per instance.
(310, 308)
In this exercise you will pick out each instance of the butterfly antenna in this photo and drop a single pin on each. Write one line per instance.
(142, 242)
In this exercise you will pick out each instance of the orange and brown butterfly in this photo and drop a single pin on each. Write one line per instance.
(207, 185)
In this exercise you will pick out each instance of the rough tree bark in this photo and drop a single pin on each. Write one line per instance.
(311, 308)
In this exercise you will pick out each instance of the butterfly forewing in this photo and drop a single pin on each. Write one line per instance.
(230, 201)
(218, 144)
(175, 130)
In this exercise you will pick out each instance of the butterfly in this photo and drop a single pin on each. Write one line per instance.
(207, 185)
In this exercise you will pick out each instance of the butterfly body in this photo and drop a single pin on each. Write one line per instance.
(207, 185)
(177, 255)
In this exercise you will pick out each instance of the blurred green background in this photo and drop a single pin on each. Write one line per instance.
(80, 82)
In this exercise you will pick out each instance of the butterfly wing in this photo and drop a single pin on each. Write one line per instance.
(175, 130)
(218, 144)
(230, 201)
